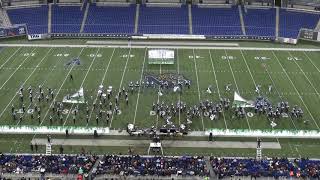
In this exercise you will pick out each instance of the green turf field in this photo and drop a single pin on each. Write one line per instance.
(293, 75)
(295, 81)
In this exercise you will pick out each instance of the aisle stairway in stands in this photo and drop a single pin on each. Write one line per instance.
(241, 20)
(277, 22)
(190, 19)
(84, 19)
(136, 21)
(49, 18)
(48, 149)
(318, 26)
(4, 18)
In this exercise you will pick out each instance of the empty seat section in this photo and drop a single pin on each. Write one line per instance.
(163, 20)
(66, 19)
(291, 22)
(216, 21)
(36, 18)
(106, 19)
(260, 22)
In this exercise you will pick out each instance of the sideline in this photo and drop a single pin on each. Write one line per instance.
(160, 46)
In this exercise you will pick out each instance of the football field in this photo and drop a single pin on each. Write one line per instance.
(293, 75)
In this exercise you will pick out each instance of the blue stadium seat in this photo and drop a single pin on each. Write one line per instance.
(163, 20)
(106, 19)
(216, 21)
(36, 18)
(66, 19)
(260, 22)
(291, 22)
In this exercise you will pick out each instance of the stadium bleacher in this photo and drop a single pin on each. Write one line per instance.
(63, 164)
(216, 21)
(108, 19)
(260, 22)
(66, 19)
(159, 166)
(290, 22)
(135, 165)
(36, 18)
(163, 20)
(275, 167)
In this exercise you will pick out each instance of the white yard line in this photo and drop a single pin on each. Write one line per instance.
(141, 76)
(16, 70)
(218, 90)
(305, 76)
(296, 90)
(280, 96)
(23, 84)
(121, 81)
(14, 145)
(179, 94)
(234, 79)
(157, 119)
(311, 61)
(10, 57)
(55, 97)
(245, 61)
(103, 78)
(254, 82)
(199, 95)
(81, 86)
(42, 84)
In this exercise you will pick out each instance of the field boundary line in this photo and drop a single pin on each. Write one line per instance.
(217, 84)
(199, 95)
(236, 84)
(103, 78)
(163, 46)
(81, 85)
(139, 90)
(299, 95)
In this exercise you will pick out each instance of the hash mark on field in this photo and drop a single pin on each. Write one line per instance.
(234, 79)
(42, 84)
(103, 78)
(16, 94)
(296, 90)
(44, 118)
(15, 71)
(81, 86)
(137, 102)
(10, 58)
(215, 77)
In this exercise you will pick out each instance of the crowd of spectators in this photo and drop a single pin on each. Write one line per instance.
(136, 165)
(61, 164)
(152, 166)
(275, 167)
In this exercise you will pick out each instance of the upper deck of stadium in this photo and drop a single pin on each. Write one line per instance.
(175, 17)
